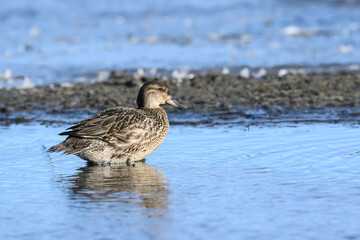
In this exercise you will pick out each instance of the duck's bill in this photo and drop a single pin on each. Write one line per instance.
(175, 103)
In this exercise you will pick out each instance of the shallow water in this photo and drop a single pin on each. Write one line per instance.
(52, 41)
(278, 181)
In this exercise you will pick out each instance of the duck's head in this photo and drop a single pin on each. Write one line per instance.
(153, 94)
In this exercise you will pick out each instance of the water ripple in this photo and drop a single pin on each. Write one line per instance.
(204, 182)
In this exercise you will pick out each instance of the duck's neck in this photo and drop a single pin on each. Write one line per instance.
(159, 114)
(147, 101)
(149, 105)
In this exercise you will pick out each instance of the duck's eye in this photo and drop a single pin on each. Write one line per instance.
(161, 89)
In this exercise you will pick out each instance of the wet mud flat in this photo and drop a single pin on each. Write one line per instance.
(204, 92)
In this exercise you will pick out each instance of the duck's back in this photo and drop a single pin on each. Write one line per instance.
(117, 135)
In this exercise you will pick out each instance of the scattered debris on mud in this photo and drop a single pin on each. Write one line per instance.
(205, 92)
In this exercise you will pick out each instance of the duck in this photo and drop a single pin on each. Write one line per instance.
(122, 134)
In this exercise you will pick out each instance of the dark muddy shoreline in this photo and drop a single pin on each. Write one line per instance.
(205, 92)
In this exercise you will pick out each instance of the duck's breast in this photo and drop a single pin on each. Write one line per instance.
(142, 138)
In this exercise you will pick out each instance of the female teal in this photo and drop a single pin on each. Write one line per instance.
(122, 134)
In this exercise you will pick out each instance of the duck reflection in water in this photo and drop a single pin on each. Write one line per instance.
(137, 183)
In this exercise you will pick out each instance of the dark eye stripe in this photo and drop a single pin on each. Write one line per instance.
(161, 89)
(154, 89)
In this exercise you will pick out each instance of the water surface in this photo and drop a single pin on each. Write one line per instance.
(271, 181)
(52, 41)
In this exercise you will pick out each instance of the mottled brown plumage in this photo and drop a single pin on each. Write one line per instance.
(122, 134)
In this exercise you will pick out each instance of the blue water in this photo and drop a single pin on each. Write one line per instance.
(271, 181)
(72, 40)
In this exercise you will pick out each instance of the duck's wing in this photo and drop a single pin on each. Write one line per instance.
(108, 123)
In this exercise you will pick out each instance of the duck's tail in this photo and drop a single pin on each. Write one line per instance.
(61, 147)
(70, 146)
(56, 148)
